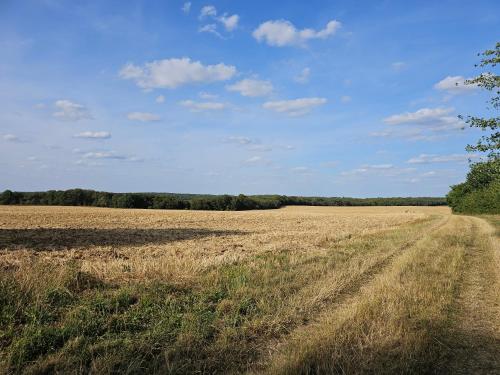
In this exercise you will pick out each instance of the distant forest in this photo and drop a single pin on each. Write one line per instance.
(81, 197)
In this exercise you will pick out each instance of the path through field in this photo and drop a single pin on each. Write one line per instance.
(475, 346)
(367, 328)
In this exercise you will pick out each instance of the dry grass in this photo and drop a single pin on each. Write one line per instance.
(179, 244)
(295, 290)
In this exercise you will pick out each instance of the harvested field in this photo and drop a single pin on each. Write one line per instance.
(294, 290)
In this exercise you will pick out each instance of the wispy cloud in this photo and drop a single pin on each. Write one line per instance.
(203, 106)
(143, 117)
(294, 107)
(70, 111)
(93, 135)
(108, 155)
(433, 158)
(398, 66)
(386, 170)
(186, 7)
(11, 138)
(303, 77)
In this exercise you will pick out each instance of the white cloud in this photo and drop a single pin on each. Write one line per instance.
(160, 99)
(143, 116)
(239, 140)
(229, 22)
(345, 99)
(210, 28)
(454, 85)
(208, 11)
(203, 106)
(280, 33)
(260, 148)
(93, 135)
(207, 96)
(110, 155)
(302, 170)
(172, 73)
(39, 106)
(385, 170)
(104, 155)
(254, 159)
(252, 87)
(303, 77)
(433, 158)
(10, 138)
(69, 111)
(186, 8)
(398, 66)
(431, 118)
(294, 107)
(257, 160)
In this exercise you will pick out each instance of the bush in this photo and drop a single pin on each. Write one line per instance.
(480, 193)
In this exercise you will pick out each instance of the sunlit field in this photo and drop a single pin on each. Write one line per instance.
(294, 290)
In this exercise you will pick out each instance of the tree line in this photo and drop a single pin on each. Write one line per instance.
(83, 197)
(480, 193)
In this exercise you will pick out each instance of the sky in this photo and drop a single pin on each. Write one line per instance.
(337, 98)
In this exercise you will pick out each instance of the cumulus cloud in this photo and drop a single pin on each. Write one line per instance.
(454, 85)
(172, 73)
(303, 77)
(294, 107)
(203, 106)
(252, 87)
(186, 8)
(433, 158)
(345, 99)
(160, 99)
(432, 118)
(70, 111)
(280, 33)
(93, 135)
(230, 22)
(143, 116)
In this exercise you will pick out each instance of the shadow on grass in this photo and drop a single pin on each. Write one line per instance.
(68, 238)
(456, 352)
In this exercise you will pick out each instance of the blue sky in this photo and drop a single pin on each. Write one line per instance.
(337, 98)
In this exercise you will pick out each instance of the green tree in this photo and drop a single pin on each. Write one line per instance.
(480, 192)
(488, 143)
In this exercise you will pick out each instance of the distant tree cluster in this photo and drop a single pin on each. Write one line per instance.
(81, 197)
(480, 193)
